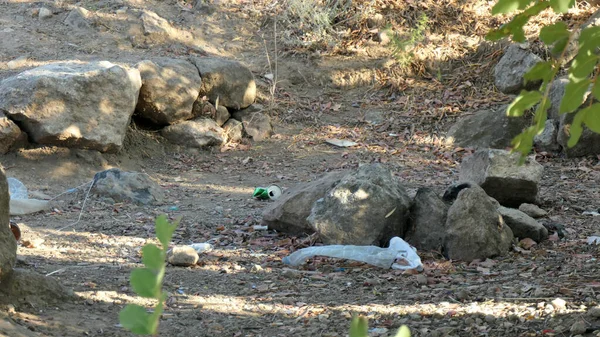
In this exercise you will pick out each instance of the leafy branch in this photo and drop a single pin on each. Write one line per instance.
(147, 282)
(359, 327)
(582, 73)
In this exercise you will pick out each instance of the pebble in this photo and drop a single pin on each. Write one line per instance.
(578, 327)
(532, 210)
(45, 13)
(594, 312)
(421, 279)
(184, 256)
(559, 304)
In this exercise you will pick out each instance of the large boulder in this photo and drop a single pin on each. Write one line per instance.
(169, 89)
(486, 129)
(257, 125)
(367, 207)
(197, 133)
(81, 105)
(522, 225)
(498, 172)
(427, 221)
(9, 134)
(588, 144)
(226, 81)
(509, 72)
(288, 213)
(127, 186)
(8, 244)
(474, 228)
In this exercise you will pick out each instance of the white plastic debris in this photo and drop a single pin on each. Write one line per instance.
(202, 247)
(341, 142)
(593, 240)
(399, 255)
(16, 189)
(20, 204)
(594, 213)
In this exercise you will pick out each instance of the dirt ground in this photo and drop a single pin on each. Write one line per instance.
(242, 288)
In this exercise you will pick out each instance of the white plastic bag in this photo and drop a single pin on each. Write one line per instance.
(20, 204)
(399, 255)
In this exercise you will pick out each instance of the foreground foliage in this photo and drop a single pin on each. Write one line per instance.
(147, 282)
(558, 37)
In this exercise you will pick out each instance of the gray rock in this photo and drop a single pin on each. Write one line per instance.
(28, 287)
(19, 62)
(228, 81)
(475, 229)
(169, 89)
(557, 90)
(288, 213)
(509, 72)
(486, 129)
(522, 225)
(45, 13)
(78, 18)
(427, 225)
(155, 25)
(183, 256)
(80, 105)
(256, 124)
(532, 210)
(546, 141)
(368, 206)
(127, 186)
(234, 130)
(498, 173)
(588, 144)
(9, 134)
(222, 115)
(8, 244)
(197, 133)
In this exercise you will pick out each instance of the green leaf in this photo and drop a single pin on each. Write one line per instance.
(524, 101)
(559, 46)
(583, 64)
(135, 319)
(589, 39)
(574, 94)
(508, 6)
(542, 70)
(164, 230)
(145, 282)
(153, 257)
(591, 118)
(524, 141)
(576, 129)
(552, 33)
(561, 6)
(404, 331)
(359, 327)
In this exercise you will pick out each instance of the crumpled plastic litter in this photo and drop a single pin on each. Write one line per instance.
(20, 204)
(399, 255)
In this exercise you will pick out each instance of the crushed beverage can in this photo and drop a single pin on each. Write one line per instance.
(272, 192)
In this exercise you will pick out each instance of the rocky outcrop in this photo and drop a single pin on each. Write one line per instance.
(486, 129)
(498, 172)
(367, 207)
(82, 105)
(169, 89)
(226, 82)
(288, 213)
(475, 229)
